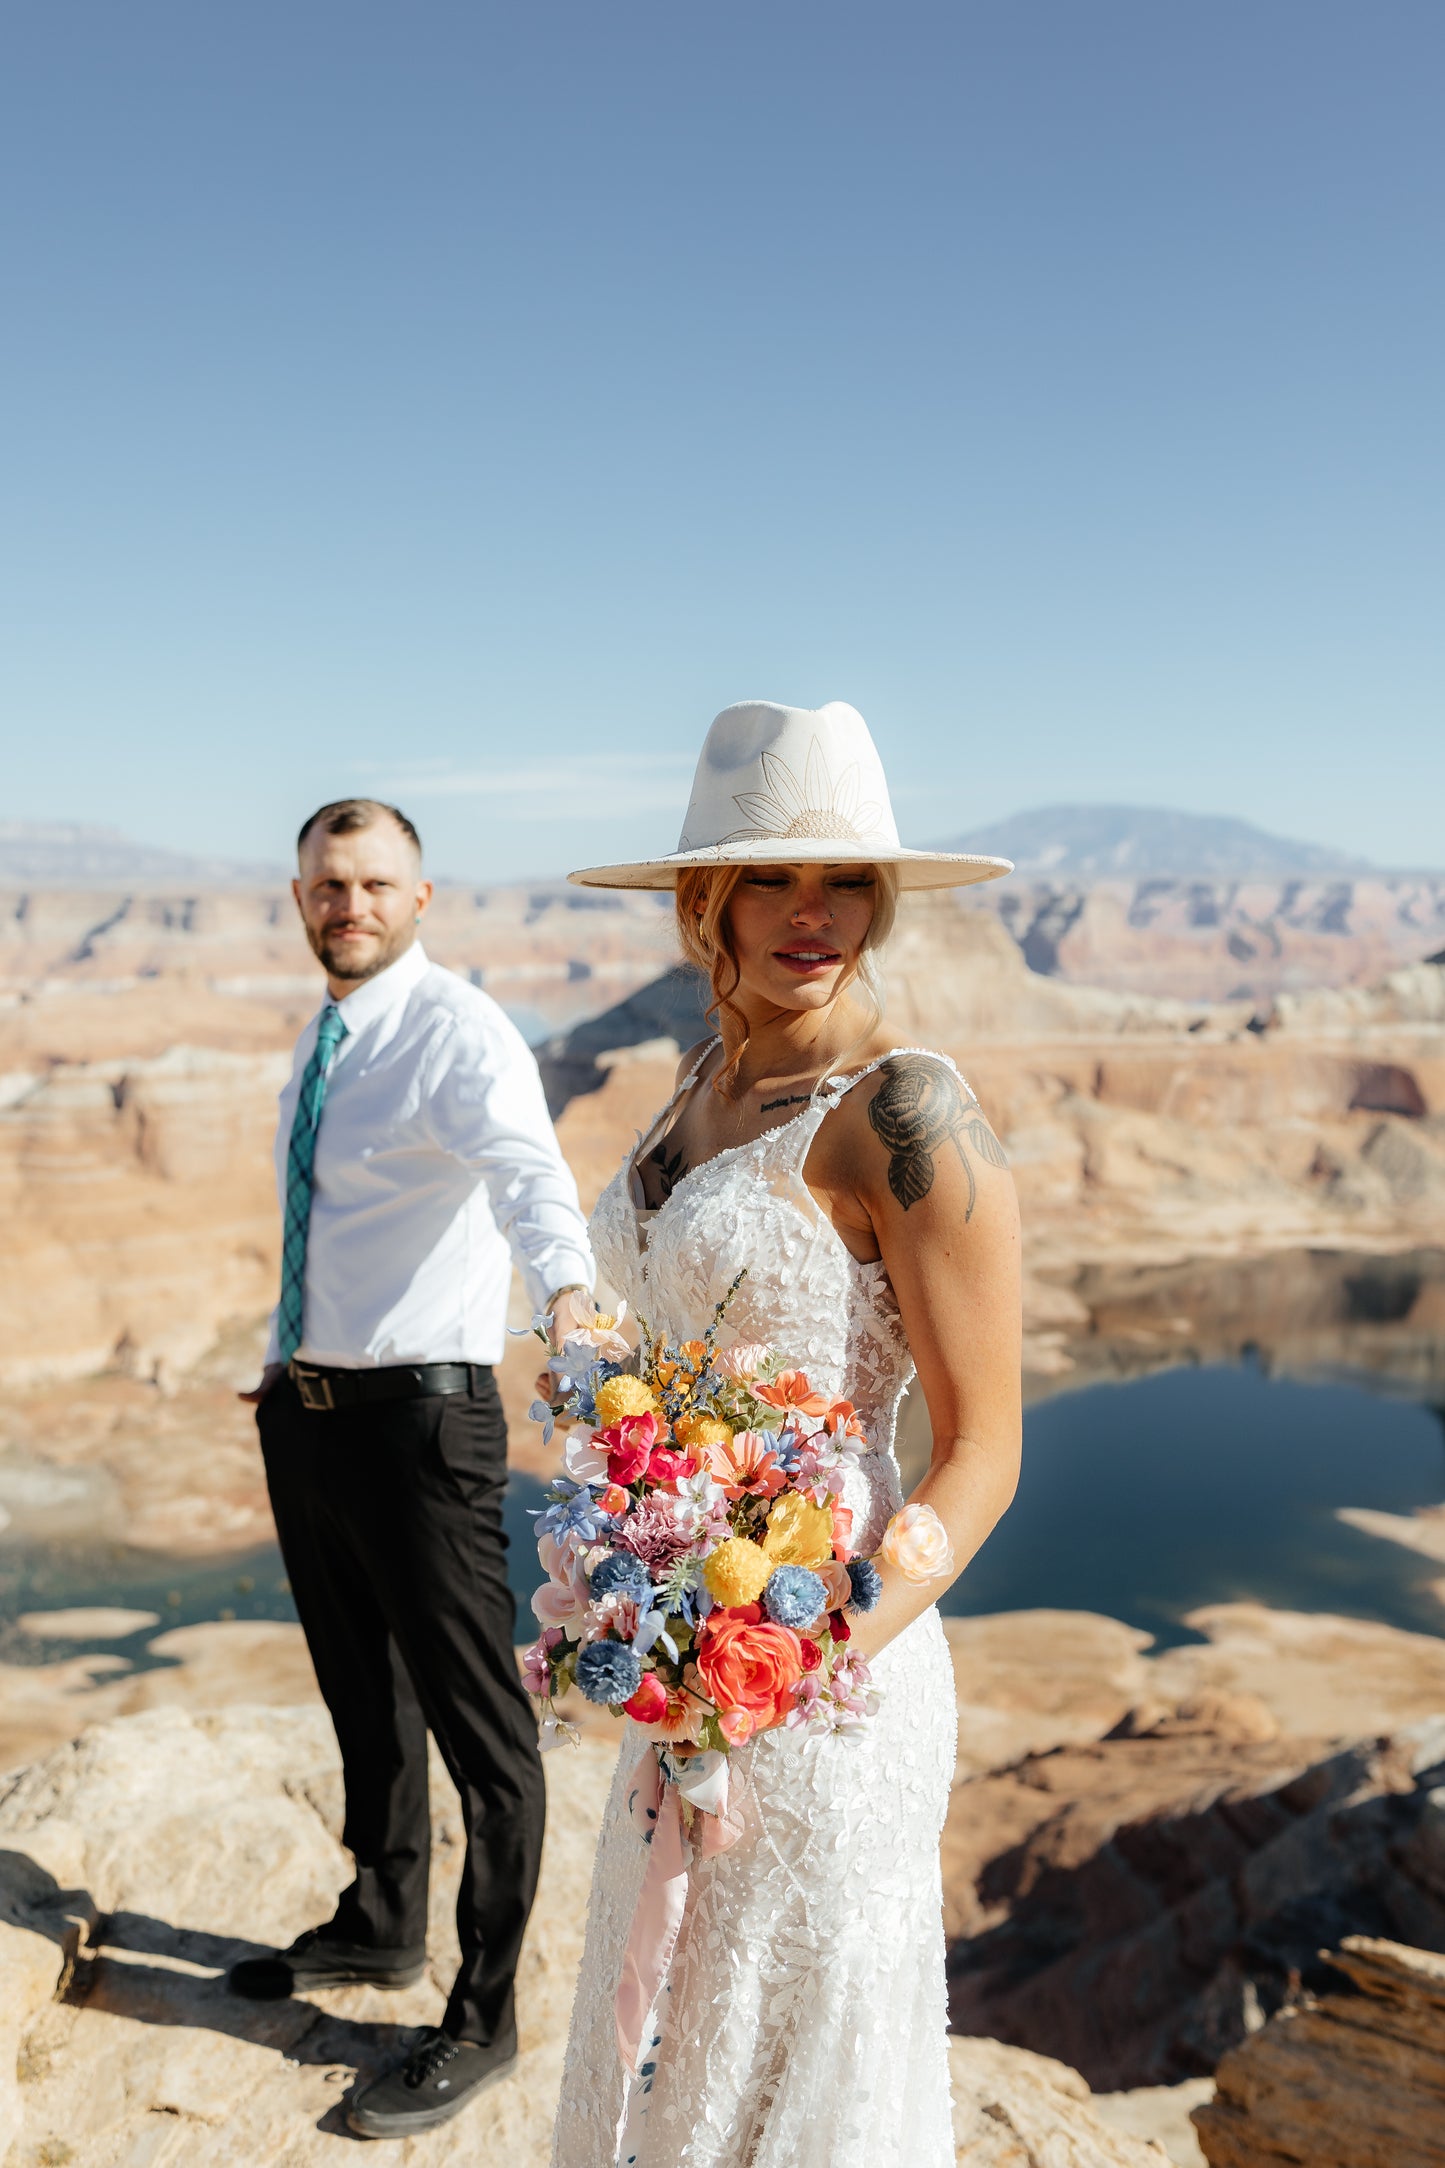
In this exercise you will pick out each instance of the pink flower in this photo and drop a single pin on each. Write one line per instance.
(747, 1466)
(743, 1361)
(666, 1464)
(649, 1703)
(628, 1445)
(563, 1598)
(658, 1530)
(536, 1671)
(616, 1614)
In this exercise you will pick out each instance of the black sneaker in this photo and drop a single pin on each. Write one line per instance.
(435, 2083)
(315, 1960)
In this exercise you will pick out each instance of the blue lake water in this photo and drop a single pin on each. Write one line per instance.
(1139, 1499)
(1214, 1485)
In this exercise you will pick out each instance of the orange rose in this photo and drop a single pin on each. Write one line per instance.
(751, 1665)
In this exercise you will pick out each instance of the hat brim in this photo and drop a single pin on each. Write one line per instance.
(916, 869)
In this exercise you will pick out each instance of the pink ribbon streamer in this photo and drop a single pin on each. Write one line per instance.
(655, 1804)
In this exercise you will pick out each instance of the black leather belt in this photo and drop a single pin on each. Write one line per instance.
(322, 1388)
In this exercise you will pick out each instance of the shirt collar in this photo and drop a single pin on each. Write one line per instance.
(388, 990)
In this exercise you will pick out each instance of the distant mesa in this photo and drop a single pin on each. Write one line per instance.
(69, 854)
(1134, 843)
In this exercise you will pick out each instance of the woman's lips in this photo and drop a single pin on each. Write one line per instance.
(805, 960)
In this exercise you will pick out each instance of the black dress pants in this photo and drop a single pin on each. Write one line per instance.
(390, 1522)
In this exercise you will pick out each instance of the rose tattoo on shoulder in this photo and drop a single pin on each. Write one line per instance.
(916, 1112)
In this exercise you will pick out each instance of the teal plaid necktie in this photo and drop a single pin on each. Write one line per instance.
(300, 1161)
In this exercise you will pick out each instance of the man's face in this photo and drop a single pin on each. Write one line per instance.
(360, 897)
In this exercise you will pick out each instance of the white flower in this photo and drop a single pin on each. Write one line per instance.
(581, 1459)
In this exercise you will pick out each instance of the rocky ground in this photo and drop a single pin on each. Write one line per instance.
(1143, 1854)
(139, 1863)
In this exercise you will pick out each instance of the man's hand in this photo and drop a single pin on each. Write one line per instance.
(574, 1311)
(269, 1375)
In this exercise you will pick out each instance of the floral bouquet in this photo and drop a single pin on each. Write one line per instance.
(696, 1549)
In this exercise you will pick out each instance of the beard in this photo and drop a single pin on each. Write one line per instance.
(349, 967)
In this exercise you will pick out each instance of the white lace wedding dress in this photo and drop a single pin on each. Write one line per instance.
(803, 2023)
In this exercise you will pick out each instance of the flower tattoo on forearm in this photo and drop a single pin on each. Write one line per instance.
(916, 1111)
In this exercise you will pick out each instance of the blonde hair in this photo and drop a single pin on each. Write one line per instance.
(703, 896)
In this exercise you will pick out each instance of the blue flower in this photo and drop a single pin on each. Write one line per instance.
(867, 1584)
(621, 1573)
(609, 1672)
(794, 1596)
(573, 1512)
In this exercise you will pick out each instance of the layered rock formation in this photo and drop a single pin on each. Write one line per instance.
(1135, 1898)
(1222, 938)
(1345, 2081)
(138, 1864)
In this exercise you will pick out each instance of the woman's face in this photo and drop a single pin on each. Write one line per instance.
(798, 931)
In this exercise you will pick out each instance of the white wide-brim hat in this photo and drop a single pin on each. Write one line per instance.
(792, 786)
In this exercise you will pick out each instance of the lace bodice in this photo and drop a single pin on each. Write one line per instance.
(749, 1210)
(803, 2023)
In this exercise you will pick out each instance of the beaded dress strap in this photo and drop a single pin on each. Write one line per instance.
(832, 1089)
(797, 1136)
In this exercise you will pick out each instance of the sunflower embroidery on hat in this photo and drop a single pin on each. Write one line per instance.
(815, 807)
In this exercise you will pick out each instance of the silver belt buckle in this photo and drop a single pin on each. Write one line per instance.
(314, 1389)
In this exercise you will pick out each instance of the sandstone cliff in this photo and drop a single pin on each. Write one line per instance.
(1351, 2080)
(1220, 938)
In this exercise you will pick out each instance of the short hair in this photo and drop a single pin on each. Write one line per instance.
(345, 815)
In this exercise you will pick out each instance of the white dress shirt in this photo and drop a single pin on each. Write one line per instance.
(436, 1163)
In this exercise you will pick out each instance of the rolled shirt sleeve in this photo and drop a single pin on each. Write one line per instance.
(486, 1107)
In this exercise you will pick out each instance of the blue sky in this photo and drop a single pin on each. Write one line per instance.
(463, 402)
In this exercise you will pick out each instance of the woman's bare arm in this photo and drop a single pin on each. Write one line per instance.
(932, 1178)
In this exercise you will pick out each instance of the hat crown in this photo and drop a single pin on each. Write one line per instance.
(791, 775)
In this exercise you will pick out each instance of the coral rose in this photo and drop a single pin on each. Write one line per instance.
(800, 1533)
(916, 1543)
(750, 1665)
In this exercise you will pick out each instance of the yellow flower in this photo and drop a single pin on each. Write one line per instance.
(738, 1571)
(699, 1430)
(621, 1396)
(800, 1533)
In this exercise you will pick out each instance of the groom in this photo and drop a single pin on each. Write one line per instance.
(415, 1160)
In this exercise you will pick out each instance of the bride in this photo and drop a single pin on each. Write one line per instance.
(802, 2022)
